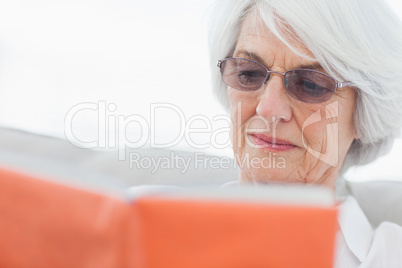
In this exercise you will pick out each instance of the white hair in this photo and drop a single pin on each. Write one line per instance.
(354, 40)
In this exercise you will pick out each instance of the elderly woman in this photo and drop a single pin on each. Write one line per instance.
(317, 85)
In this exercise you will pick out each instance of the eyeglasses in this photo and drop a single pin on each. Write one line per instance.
(302, 84)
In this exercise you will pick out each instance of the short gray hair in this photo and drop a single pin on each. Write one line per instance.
(354, 40)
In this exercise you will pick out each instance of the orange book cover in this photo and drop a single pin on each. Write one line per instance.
(48, 224)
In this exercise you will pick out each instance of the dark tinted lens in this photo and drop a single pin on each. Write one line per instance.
(242, 74)
(309, 86)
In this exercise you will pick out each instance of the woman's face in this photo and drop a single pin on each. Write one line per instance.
(278, 138)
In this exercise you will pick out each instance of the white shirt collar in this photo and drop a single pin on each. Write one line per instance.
(355, 228)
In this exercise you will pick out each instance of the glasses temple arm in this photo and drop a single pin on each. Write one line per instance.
(344, 84)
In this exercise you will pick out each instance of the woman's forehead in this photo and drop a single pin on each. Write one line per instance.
(257, 42)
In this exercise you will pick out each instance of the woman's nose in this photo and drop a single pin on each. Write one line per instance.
(273, 103)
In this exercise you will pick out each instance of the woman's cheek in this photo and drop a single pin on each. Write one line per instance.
(241, 110)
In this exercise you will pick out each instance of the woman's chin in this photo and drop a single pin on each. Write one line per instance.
(264, 176)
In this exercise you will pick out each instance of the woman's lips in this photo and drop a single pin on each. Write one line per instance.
(270, 143)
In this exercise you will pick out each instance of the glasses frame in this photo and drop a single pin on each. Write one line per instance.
(337, 83)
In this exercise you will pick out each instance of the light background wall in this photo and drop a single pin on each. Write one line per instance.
(127, 55)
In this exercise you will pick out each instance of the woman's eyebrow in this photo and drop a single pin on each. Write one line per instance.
(254, 56)
(250, 55)
(313, 66)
